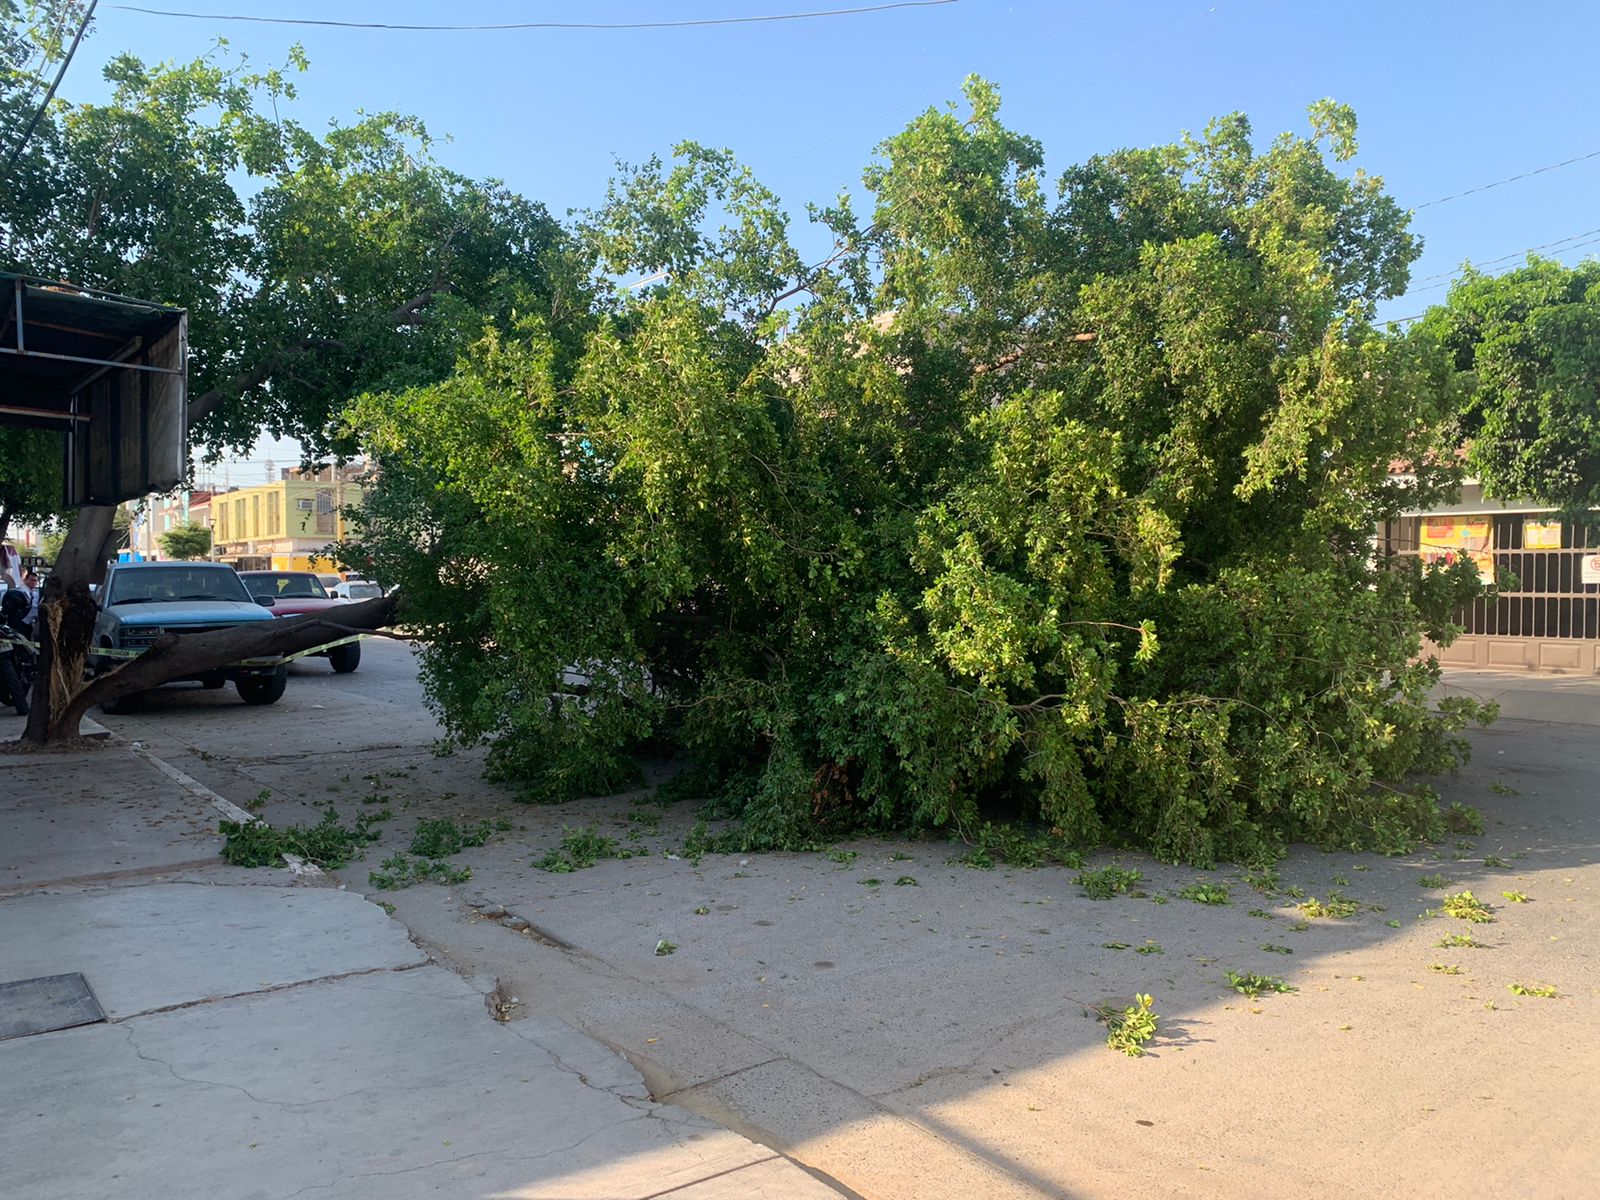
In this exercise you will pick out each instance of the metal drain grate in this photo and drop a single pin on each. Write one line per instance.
(46, 1004)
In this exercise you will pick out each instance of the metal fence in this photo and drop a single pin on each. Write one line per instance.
(1546, 597)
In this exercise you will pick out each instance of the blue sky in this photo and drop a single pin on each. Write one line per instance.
(1450, 95)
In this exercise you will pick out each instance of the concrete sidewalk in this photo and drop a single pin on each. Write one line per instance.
(284, 1041)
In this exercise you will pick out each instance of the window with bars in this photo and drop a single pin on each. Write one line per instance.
(1551, 569)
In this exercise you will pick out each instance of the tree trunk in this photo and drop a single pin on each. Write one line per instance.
(65, 626)
(184, 656)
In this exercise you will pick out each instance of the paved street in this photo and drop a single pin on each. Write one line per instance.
(928, 1040)
(269, 1036)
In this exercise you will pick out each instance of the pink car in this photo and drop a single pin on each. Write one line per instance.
(296, 592)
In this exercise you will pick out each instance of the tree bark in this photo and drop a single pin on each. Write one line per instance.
(65, 625)
(183, 656)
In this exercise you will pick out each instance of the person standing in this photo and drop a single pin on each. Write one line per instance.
(30, 584)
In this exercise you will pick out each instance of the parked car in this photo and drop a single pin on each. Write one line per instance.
(141, 601)
(358, 589)
(295, 593)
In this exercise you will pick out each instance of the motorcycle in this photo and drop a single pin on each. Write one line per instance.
(17, 661)
(16, 670)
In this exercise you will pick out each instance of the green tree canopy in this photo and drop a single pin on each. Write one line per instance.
(186, 541)
(1528, 346)
(1053, 502)
(313, 266)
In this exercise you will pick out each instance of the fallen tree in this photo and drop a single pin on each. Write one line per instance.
(1045, 509)
(181, 656)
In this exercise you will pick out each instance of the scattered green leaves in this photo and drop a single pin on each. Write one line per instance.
(1545, 991)
(1253, 985)
(440, 837)
(325, 844)
(1335, 907)
(403, 871)
(1464, 906)
(1133, 1027)
(1462, 818)
(1107, 881)
(581, 848)
(1206, 893)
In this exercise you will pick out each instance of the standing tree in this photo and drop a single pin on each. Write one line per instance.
(313, 267)
(186, 541)
(1528, 346)
(30, 478)
(1057, 506)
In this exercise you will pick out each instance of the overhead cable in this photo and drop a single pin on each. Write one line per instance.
(1566, 162)
(512, 25)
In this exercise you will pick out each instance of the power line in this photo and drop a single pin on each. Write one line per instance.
(1509, 179)
(593, 25)
(1489, 262)
(1505, 271)
(44, 104)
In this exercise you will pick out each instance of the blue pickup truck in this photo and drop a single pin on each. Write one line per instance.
(141, 601)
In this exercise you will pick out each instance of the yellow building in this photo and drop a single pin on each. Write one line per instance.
(283, 525)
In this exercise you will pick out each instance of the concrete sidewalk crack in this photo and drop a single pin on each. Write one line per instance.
(766, 1062)
(267, 991)
(719, 1175)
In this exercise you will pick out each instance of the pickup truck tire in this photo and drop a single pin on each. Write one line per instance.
(264, 689)
(345, 659)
